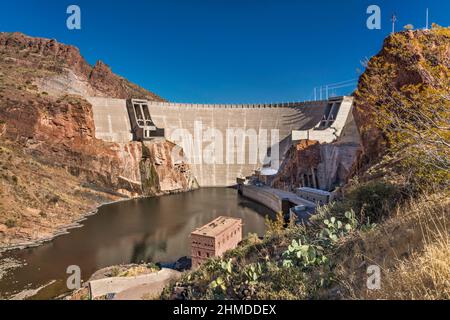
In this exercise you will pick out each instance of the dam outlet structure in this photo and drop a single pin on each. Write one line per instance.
(223, 141)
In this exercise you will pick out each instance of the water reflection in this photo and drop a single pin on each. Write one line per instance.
(155, 229)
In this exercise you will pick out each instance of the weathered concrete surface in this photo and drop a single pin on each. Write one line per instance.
(332, 133)
(143, 292)
(111, 120)
(272, 198)
(338, 158)
(195, 126)
(151, 282)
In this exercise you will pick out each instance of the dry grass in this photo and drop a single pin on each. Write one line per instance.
(425, 275)
(412, 248)
(138, 270)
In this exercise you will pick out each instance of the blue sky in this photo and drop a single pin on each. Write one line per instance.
(223, 51)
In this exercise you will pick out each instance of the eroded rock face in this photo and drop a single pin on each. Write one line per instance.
(61, 133)
(163, 171)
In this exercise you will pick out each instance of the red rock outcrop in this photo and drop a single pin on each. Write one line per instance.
(301, 160)
(50, 55)
(405, 59)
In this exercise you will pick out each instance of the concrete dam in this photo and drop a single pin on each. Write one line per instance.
(223, 142)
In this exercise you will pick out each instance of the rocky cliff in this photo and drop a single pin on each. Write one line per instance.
(402, 110)
(46, 122)
(61, 69)
(408, 60)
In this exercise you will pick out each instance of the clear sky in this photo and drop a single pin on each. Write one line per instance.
(223, 51)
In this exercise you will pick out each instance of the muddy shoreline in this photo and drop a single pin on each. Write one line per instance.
(65, 229)
(59, 231)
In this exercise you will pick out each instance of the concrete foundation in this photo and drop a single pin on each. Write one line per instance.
(274, 198)
(115, 285)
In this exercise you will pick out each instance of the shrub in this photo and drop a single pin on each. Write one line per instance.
(275, 226)
(372, 201)
(11, 223)
(335, 229)
(300, 254)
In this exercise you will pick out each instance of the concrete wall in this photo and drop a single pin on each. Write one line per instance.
(273, 198)
(334, 131)
(101, 287)
(267, 199)
(111, 119)
(181, 123)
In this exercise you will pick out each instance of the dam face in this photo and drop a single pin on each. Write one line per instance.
(223, 142)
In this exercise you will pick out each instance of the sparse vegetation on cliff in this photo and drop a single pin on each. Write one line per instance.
(405, 92)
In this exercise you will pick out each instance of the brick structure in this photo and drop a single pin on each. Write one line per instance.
(214, 238)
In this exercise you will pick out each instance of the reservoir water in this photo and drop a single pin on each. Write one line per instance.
(141, 230)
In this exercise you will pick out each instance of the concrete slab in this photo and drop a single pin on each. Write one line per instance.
(115, 285)
(272, 198)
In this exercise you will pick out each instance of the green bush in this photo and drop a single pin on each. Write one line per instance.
(374, 200)
(303, 255)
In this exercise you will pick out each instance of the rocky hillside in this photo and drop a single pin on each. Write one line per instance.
(61, 69)
(47, 130)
